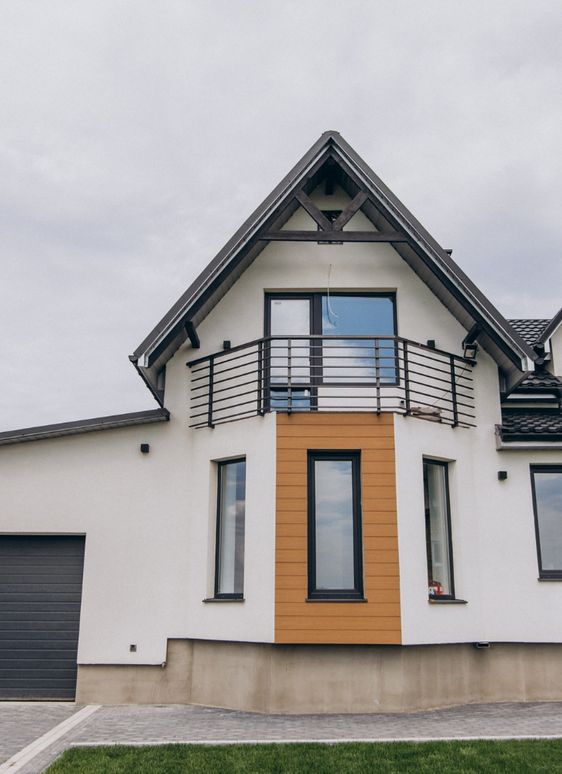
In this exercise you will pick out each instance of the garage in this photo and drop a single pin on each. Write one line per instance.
(40, 595)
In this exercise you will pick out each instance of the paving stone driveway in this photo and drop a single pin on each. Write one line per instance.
(22, 722)
(173, 723)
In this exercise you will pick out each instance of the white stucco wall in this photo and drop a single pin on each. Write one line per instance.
(556, 351)
(149, 519)
(494, 547)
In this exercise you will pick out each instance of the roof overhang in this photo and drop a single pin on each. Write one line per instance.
(418, 248)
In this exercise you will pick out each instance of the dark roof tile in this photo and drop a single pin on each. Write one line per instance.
(529, 330)
(540, 381)
(518, 424)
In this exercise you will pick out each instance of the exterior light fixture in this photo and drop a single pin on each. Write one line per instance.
(470, 345)
(470, 350)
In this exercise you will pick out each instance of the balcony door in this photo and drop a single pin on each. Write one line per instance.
(301, 369)
(289, 373)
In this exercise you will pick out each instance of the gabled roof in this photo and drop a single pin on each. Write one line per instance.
(332, 156)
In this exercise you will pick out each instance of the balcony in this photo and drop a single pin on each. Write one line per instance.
(329, 373)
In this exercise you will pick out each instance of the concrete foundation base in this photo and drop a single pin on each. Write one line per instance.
(330, 678)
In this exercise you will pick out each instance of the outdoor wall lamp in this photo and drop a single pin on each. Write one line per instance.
(470, 350)
(470, 345)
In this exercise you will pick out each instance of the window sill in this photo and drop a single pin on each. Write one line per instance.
(550, 578)
(331, 600)
(223, 599)
(435, 601)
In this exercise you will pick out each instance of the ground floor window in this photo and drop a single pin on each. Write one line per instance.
(438, 529)
(334, 526)
(547, 500)
(231, 511)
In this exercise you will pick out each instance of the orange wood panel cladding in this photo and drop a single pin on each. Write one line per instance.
(376, 621)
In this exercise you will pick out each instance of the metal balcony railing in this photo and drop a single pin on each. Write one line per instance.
(331, 373)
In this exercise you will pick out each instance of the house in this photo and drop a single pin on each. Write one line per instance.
(349, 498)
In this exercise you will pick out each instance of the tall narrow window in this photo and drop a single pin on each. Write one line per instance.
(334, 526)
(231, 509)
(438, 529)
(547, 500)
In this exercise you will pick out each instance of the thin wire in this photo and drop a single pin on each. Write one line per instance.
(331, 313)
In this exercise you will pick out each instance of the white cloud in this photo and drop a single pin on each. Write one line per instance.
(136, 136)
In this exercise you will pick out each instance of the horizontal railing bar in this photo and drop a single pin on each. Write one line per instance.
(295, 409)
(432, 386)
(432, 405)
(320, 338)
(230, 397)
(216, 412)
(431, 378)
(441, 399)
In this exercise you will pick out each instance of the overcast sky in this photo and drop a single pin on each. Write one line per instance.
(135, 137)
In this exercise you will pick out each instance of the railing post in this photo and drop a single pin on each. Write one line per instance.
(454, 392)
(289, 386)
(378, 374)
(211, 379)
(406, 375)
(260, 379)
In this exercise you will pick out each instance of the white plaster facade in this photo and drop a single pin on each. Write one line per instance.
(149, 520)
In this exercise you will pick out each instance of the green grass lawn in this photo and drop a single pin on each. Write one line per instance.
(425, 758)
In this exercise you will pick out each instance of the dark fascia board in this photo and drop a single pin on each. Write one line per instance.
(84, 426)
(331, 142)
(551, 327)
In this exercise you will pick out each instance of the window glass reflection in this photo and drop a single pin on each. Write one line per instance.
(230, 528)
(548, 494)
(355, 361)
(334, 524)
(437, 529)
(290, 317)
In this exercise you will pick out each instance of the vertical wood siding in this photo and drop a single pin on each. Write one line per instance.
(376, 621)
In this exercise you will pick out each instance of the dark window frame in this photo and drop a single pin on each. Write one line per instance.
(221, 465)
(357, 593)
(452, 596)
(543, 574)
(315, 297)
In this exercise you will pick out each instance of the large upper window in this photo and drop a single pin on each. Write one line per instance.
(231, 510)
(438, 529)
(547, 500)
(334, 526)
(334, 361)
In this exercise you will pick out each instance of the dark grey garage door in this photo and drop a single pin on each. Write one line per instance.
(40, 593)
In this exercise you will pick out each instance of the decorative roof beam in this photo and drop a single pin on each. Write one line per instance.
(333, 236)
(313, 211)
(192, 335)
(346, 215)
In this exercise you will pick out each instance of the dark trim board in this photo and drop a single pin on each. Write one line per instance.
(84, 426)
(333, 236)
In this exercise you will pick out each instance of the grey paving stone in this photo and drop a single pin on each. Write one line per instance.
(22, 722)
(179, 723)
